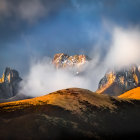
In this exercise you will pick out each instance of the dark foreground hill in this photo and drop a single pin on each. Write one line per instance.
(70, 114)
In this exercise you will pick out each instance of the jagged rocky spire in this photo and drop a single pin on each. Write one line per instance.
(117, 82)
(9, 83)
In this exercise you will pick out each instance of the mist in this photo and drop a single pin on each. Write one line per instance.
(44, 78)
(125, 47)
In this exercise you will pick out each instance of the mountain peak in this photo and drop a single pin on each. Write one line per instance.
(9, 83)
(119, 81)
(62, 60)
(9, 75)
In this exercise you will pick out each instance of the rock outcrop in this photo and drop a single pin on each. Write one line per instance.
(62, 60)
(9, 83)
(117, 82)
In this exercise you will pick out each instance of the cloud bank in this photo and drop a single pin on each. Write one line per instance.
(51, 26)
(43, 78)
(125, 48)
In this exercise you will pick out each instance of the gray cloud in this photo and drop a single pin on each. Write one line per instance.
(29, 10)
(3, 7)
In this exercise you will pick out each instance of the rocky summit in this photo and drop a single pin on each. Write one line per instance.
(117, 82)
(62, 60)
(9, 83)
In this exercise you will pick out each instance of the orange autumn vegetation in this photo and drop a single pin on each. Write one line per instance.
(131, 94)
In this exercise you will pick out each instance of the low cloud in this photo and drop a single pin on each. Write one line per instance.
(43, 78)
(125, 48)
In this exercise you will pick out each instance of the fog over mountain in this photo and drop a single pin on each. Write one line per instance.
(106, 31)
(39, 28)
(123, 51)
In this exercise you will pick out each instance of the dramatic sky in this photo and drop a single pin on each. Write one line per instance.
(37, 28)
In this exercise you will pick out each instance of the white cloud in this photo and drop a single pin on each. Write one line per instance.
(124, 50)
(43, 78)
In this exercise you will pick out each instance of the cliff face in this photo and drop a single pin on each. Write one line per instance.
(9, 83)
(62, 60)
(117, 82)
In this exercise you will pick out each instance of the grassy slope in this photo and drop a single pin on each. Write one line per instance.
(131, 94)
(69, 114)
(68, 98)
